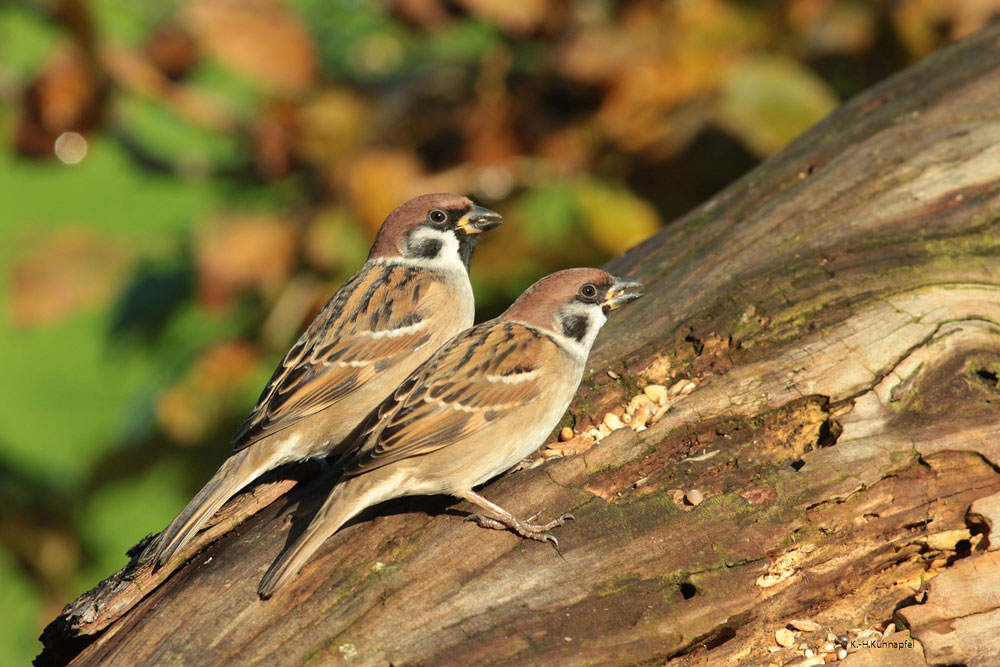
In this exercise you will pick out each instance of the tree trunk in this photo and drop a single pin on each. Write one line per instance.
(837, 316)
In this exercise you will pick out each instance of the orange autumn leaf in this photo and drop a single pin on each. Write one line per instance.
(188, 410)
(260, 39)
(379, 182)
(240, 252)
(63, 272)
(68, 95)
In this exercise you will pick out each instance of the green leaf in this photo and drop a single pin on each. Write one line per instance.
(169, 138)
(615, 217)
(119, 514)
(63, 397)
(766, 101)
(26, 40)
(22, 605)
(547, 213)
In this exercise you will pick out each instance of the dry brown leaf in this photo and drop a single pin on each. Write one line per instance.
(188, 410)
(833, 27)
(63, 272)
(490, 137)
(380, 181)
(67, 96)
(427, 13)
(239, 252)
(333, 126)
(274, 135)
(260, 39)
(134, 71)
(172, 50)
(224, 365)
(672, 61)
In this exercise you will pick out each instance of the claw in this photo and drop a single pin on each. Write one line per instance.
(555, 543)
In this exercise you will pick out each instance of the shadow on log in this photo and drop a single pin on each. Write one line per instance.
(835, 318)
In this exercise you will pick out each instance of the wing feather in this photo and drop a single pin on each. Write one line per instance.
(472, 380)
(363, 328)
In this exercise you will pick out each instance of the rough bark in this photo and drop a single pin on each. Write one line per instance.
(838, 310)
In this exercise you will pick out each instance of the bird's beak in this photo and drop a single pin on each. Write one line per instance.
(622, 291)
(479, 220)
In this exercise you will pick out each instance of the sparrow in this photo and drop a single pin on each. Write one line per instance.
(409, 297)
(480, 404)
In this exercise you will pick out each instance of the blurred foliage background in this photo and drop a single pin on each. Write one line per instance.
(184, 182)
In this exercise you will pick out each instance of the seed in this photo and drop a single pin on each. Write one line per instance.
(805, 625)
(566, 434)
(639, 402)
(613, 421)
(694, 497)
(784, 637)
(656, 392)
(641, 417)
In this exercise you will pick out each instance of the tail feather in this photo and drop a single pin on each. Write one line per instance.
(230, 478)
(347, 499)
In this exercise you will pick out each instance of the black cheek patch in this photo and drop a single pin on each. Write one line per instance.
(575, 326)
(425, 248)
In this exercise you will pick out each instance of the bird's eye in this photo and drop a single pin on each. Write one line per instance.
(588, 292)
(437, 217)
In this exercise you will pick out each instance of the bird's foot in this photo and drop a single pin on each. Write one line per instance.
(526, 528)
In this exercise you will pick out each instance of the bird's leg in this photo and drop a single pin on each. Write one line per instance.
(527, 463)
(504, 520)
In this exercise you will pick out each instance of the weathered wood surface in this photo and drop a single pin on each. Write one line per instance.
(839, 311)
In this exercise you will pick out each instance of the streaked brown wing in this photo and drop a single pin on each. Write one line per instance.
(474, 379)
(382, 314)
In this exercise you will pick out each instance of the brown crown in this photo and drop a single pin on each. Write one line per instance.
(410, 214)
(538, 305)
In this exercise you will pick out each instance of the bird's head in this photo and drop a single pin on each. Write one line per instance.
(573, 304)
(437, 229)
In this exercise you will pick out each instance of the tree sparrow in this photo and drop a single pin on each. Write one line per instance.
(411, 296)
(481, 403)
